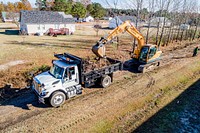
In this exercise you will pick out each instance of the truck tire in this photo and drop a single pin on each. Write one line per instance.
(57, 99)
(105, 81)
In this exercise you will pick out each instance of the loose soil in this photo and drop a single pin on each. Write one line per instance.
(95, 64)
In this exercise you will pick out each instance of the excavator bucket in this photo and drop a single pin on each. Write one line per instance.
(99, 50)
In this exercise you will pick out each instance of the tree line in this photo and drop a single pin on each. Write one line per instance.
(76, 9)
(15, 7)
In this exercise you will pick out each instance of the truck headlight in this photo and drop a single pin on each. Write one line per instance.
(43, 92)
(41, 86)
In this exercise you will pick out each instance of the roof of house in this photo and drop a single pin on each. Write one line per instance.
(124, 18)
(45, 17)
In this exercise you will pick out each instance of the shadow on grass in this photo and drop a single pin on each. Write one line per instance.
(21, 98)
(7, 28)
(131, 66)
(78, 41)
(2, 33)
(181, 115)
(48, 45)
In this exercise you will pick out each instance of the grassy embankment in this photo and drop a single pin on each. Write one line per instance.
(164, 91)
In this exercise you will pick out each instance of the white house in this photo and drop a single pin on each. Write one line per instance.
(118, 20)
(89, 19)
(32, 22)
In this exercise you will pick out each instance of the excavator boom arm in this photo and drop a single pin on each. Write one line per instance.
(99, 48)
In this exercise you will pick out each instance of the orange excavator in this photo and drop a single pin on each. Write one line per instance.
(146, 56)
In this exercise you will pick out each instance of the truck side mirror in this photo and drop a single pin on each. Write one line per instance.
(52, 61)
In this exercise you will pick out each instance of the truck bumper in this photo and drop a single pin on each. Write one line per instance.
(40, 99)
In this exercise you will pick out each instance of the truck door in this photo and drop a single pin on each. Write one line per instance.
(70, 77)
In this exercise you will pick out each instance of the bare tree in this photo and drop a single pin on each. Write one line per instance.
(151, 11)
(164, 6)
(178, 11)
(97, 27)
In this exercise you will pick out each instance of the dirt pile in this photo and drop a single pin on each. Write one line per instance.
(16, 80)
(95, 64)
(11, 82)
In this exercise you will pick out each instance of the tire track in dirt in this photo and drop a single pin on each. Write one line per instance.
(87, 117)
(19, 108)
(84, 118)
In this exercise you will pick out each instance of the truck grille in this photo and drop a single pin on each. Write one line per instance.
(36, 86)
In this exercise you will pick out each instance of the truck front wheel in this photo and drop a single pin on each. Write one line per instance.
(105, 81)
(57, 99)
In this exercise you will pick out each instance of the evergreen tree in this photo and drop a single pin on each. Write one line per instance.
(97, 11)
(62, 5)
(78, 10)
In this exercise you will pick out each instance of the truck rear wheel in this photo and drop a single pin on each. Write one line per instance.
(57, 99)
(105, 81)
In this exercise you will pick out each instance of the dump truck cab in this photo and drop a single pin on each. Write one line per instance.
(62, 78)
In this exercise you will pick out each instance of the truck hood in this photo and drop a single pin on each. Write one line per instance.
(46, 78)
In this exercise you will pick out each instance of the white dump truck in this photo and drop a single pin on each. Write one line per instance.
(68, 76)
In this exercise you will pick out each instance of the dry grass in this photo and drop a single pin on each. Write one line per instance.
(34, 48)
(39, 50)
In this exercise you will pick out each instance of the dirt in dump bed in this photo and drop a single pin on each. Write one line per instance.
(92, 63)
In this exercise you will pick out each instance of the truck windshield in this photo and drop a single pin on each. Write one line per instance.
(57, 71)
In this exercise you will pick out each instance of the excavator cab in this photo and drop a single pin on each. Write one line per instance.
(147, 53)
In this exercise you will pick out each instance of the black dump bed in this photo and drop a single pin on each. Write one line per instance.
(88, 78)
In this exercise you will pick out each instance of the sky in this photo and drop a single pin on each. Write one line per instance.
(124, 4)
(33, 1)
(102, 2)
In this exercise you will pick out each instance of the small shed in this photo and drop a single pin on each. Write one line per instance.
(184, 26)
(118, 20)
(89, 19)
(10, 16)
(154, 22)
(32, 22)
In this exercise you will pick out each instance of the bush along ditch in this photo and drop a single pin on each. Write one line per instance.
(14, 83)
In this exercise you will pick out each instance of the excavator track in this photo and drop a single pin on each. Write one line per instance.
(148, 67)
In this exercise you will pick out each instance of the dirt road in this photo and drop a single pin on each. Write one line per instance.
(130, 97)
